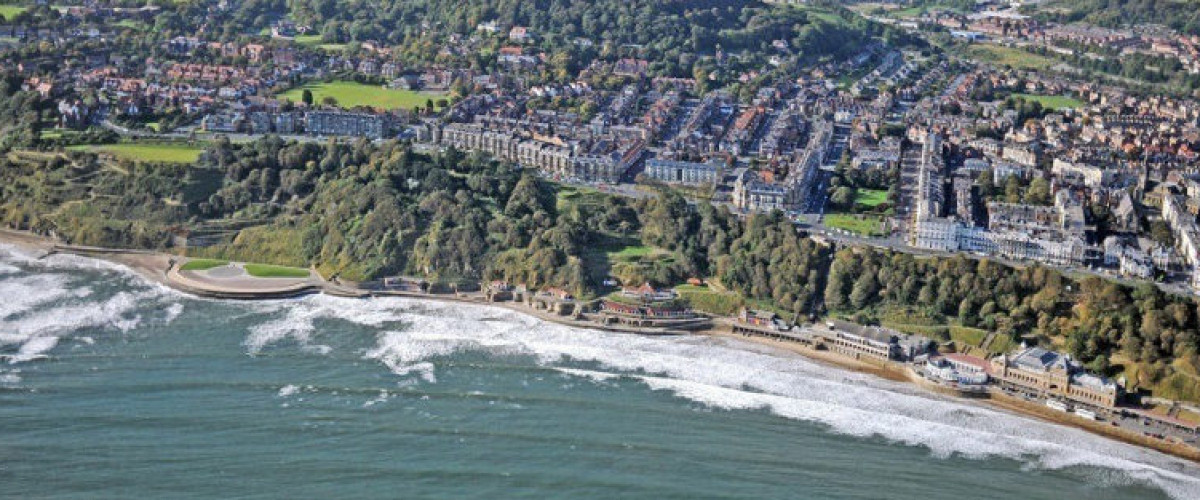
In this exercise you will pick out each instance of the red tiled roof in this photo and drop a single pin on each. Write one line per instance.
(968, 360)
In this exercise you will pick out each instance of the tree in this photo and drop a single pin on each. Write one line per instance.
(1160, 232)
(329, 101)
(966, 312)
(1038, 192)
(864, 290)
(835, 291)
(306, 97)
(987, 186)
(843, 196)
(1012, 189)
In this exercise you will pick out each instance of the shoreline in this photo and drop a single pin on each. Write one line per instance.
(157, 267)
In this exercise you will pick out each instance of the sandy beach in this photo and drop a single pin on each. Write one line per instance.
(160, 268)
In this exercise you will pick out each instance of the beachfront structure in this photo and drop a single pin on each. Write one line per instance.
(499, 290)
(959, 370)
(760, 320)
(553, 299)
(1053, 375)
(648, 294)
(756, 323)
(404, 284)
(648, 307)
(871, 342)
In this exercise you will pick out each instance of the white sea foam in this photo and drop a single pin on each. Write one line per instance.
(8, 269)
(43, 304)
(38, 331)
(14, 254)
(34, 348)
(288, 390)
(295, 321)
(116, 311)
(173, 312)
(63, 262)
(598, 376)
(381, 398)
(734, 375)
(24, 292)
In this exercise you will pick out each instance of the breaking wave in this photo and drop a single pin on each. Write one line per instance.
(734, 375)
(44, 301)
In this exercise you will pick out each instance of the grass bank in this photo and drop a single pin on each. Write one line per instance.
(147, 152)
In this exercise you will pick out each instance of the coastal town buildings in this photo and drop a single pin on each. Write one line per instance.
(368, 125)
(1187, 233)
(684, 172)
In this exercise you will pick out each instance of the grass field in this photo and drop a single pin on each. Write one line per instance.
(870, 198)
(8, 11)
(724, 303)
(1052, 101)
(907, 13)
(202, 264)
(315, 41)
(351, 94)
(146, 152)
(703, 298)
(1009, 56)
(969, 336)
(131, 24)
(865, 225)
(631, 253)
(826, 16)
(1000, 344)
(567, 196)
(269, 271)
(910, 12)
(267, 243)
(308, 40)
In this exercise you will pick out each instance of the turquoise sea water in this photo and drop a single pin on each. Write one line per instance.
(111, 387)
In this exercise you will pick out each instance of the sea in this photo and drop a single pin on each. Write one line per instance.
(112, 386)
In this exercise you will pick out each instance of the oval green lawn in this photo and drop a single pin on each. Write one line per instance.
(202, 264)
(269, 271)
